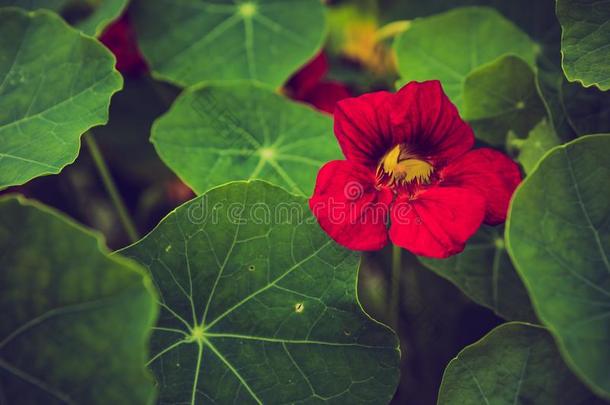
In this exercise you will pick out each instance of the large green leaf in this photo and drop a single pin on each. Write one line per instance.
(260, 306)
(558, 236)
(191, 41)
(74, 321)
(224, 132)
(90, 16)
(502, 97)
(55, 84)
(517, 364)
(484, 272)
(584, 41)
(449, 46)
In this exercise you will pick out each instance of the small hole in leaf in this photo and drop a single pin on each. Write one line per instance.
(251, 267)
(299, 307)
(347, 332)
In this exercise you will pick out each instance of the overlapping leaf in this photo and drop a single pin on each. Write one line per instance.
(558, 235)
(516, 363)
(260, 306)
(484, 272)
(584, 41)
(541, 139)
(74, 321)
(226, 132)
(191, 41)
(90, 16)
(502, 97)
(429, 48)
(55, 84)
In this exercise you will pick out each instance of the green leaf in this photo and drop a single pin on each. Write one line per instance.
(449, 46)
(90, 16)
(55, 84)
(260, 306)
(191, 41)
(558, 236)
(74, 321)
(484, 272)
(516, 363)
(224, 132)
(502, 97)
(585, 28)
(540, 140)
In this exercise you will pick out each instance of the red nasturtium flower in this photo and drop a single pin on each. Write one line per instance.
(410, 175)
(308, 85)
(120, 38)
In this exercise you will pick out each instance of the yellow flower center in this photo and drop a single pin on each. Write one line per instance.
(402, 167)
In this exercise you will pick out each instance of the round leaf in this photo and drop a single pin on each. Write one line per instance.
(584, 41)
(515, 363)
(450, 45)
(558, 236)
(74, 321)
(484, 273)
(55, 84)
(191, 41)
(227, 132)
(501, 97)
(541, 139)
(260, 306)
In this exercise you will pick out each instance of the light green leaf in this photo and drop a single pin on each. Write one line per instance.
(224, 132)
(516, 364)
(585, 28)
(90, 16)
(191, 41)
(55, 84)
(558, 235)
(450, 45)
(484, 272)
(540, 140)
(74, 321)
(260, 306)
(501, 97)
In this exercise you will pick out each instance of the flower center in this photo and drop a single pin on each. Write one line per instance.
(400, 166)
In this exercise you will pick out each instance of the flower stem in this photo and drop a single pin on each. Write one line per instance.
(111, 188)
(395, 287)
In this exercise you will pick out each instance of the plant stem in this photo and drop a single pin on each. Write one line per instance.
(395, 287)
(111, 188)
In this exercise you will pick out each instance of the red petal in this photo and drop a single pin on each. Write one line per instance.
(308, 77)
(120, 38)
(419, 115)
(326, 95)
(438, 222)
(349, 207)
(492, 173)
(424, 117)
(362, 127)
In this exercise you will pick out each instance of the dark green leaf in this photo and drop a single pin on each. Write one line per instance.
(485, 273)
(74, 321)
(191, 41)
(584, 41)
(55, 84)
(226, 132)
(500, 97)
(516, 363)
(449, 46)
(558, 235)
(260, 306)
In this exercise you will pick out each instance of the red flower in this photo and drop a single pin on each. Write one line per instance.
(410, 175)
(307, 86)
(120, 38)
